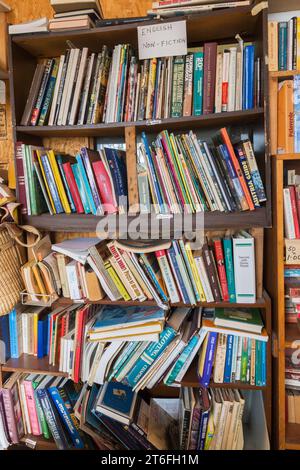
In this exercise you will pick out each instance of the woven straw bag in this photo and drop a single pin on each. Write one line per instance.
(11, 283)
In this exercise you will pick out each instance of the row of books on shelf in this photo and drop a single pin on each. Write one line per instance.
(284, 44)
(89, 88)
(288, 116)
(292, 383)
(171, 8)
(176, 174)
(142, 346)
(113, 417)
(86, 269)
(292, 294)
(291, 205)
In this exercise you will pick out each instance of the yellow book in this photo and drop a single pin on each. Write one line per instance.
(38, 152)
(202, 356)
(58, 181)
(273, 45)
(39, 281)
(117, 281)
(210, 431)
(181, 172)
(298, 43)
(195, 272)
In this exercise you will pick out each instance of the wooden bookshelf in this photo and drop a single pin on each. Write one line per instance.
(221, 26)
(3, 74)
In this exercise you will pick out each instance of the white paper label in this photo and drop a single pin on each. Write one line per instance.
(162, 40)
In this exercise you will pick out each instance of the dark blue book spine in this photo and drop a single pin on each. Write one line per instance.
(228, 360)
(65, 417)
(247, 175)
(42, 337)
(282, 45)
(117, 172)
(209, 359)
(4, 335)
(202, 430)
(248, 78)
(52, 420)
(52, 185)
(172, 254)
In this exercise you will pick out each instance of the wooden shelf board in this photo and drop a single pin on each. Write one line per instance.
(287, 156)
(88, 223)
(4, 8)
(118, 128)
(31, 364)
(41, 443)
(3, 74)
(292, 438)
(284, 73)
(292, 334)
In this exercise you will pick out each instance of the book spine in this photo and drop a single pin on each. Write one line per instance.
(33, 94)
(48, 96)
(210, 58)
(116, 279)
(225, 80)
(188, 85)
(203, 429)
(104, 187)
(212, 275)
(228, 255)
(167, 275)
(146, 265)
(273, 45)
(298, 44)
(52, 186)
(65, 184)
(297, 113)
(10, 415)
(294, 211)
(41, 416)
(177, 275)
(221, 269)
(52, 421)
(282, 45)
(21, 187)
(81, 188)
(256, 178)
(13, 334)
(209, 359)
(248, 101)
(39, 102)
(258, 363)
(247, 174)
(244, 269)
(244, 359)
(178, 87)
(30, 400)
(219, 82)
(73, 187)
(90, 175)
(228, 360)
(86, 185)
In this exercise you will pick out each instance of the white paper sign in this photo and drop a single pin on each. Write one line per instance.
(162, 40)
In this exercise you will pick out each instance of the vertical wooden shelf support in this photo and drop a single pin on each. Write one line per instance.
(131, 161)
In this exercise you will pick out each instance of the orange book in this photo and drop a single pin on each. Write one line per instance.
(248, 202)
(285, 117)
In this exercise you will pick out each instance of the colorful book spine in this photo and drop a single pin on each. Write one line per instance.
(282, 45)
(86, 185)
(71, 183)
(297, 113)
(13, 334)
(228, 256)
(91, 179)
(177, 274)
(198, 84)
(219, 256)
(43, 88)
(31, 406)
(178, 87)
(256, 178)
(247, 174)
(51, 183)
(244, 359)
(167, 275)
(48, 96)
(81, 188)
(228, 360)
(188, 85)
(209, 359)
(210, 60)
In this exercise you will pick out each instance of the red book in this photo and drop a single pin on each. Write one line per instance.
(235, 162)
(73, 187)
(80, 317)
(209, 77)
(104, 187)
(21, 189)
(219, 256)
(294, 210)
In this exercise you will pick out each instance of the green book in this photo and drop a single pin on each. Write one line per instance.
(228, 256)
(246, 319)
(258, 363)
(198, 84)
(39, 409)
(244, 364)
(177, 87)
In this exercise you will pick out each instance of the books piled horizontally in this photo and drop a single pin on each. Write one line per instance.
(292, 383)
(73, 14)
(284, 45)
(292, 294)
(224, 270)
(90, 183)
(36, 26)
(170, 8)
(89, 88)
(185, 174)
(288, 116)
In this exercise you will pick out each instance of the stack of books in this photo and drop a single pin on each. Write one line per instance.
(74, 14)
(284, 45)
(288, 116)
(292, 383)
(114, 86)
(170, 8)
(292, 294)
(291, 201)
(185, 174)
(92, 182)
(224, 270)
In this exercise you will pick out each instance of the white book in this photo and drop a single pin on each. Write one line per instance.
(110, 352)
(65, 91)
(238, 84)
(119, 376)
(113, 85)
(239, 359)
(73, 281)
(290, 40)
(70, 85)
(244, 270)
(140, 332)
(289, 226)
(102, 280)
(222, 421)
(218, 372)
(56, 90)
(232, 79)
(179, 344)
(25, 333)
(225, 80)
(234, 358)
(204, 278)
(168, 278)
(201, 335)
(79, 84)
(219, 80)
(76, 248)
(235, 419)
(85, 91)
(23, 398)
(137, 95)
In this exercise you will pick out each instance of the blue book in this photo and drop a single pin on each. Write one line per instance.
(232, 173)
(117, 398)
(203, 429)
(52, 419)
(294, 272)
(263, 363)
(42, 337)
(229, 266)
(48, 335)
(81, 189)
(88, 157)
(297, 113)
(85, 182)
(198, 84)
(228, 360)
(4, 337)
(282, 45)
(156, 88)
(177, 273)
(51, 183)
(151, 354)
(65, 417)
(149, 268)
(184, 355)
(209, 358)
(241, 156)
(13, 334)
(126, 317)
(60, 161)
(153, 174)
(248, 77)
(258, 363)
(116, 162)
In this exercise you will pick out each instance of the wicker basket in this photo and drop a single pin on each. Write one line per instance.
(11, 283)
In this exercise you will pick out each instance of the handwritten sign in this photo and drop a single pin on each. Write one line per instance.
(162, 40)
(292, 251)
